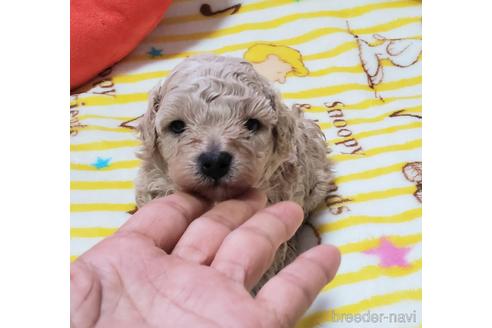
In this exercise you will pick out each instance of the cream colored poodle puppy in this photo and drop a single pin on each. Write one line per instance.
(216, 128)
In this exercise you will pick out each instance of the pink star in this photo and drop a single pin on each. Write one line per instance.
(389, 254)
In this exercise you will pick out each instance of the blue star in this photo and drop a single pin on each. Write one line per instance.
(101, 163)
(154, 52)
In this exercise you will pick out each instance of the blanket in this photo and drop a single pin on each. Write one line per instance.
(353, 66)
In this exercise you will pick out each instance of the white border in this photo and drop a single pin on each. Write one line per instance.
(34, 242)
(34, 246)
(457, 163)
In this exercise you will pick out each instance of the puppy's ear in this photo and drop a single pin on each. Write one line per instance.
(146, 128)
(285, 131)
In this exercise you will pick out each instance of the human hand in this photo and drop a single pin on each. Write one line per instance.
(178, 263)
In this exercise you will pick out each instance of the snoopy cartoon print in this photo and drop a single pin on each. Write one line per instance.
(276, 62)
(401, 52)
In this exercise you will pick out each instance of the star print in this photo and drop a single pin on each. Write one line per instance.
(154, 52)
(101, 163)
(389, 254)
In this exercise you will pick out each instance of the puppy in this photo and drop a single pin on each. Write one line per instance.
(216, 128)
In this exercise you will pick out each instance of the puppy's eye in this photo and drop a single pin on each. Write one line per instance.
(252, 125)
(177, 126)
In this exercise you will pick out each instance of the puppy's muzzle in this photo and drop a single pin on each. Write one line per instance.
(214, 164)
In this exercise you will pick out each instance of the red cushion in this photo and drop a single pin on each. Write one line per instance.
(102, 32)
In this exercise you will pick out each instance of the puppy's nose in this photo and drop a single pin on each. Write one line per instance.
(215, 164)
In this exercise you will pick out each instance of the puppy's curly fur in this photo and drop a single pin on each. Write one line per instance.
(214, 97)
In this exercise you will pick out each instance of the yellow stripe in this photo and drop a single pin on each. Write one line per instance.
(92, 232)
(244, 9)
(369, 174)
(119, 99)
(377, 195)
(333, 52)
(105, 117)
(94, 185)
(380, 117)
(272, 4)
(372, 272)
(346, 69)
(274, 23)
(364, 245)
(388, 130)
(365, 104)
(377, 102)
(356, 69)
(378, 132)
(365, 120)
(104, 145)
(106, 129)
(314, 109)
(310, 93)
(241, 46)
(73, 258)
(365, 219)
(132, 78)
(126, 207)
(414, 144)
(382, 194)
(92, 207)
(133, 164)
(388, 26)
(337, 69)
(237, 29)
(347, 46)
(312, 35)
(114, 166)
(140, 77)
(98, 185)
(334, 89)
(317, 318)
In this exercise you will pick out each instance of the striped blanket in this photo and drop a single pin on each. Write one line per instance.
(354, 66)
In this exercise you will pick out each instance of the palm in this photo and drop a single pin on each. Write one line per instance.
(135, 282)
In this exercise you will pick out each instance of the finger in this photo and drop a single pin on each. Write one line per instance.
(293, 289)
(249, 250)
(163, 220)
(204, 236)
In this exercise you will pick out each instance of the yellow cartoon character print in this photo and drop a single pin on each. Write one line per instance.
(276, 62)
